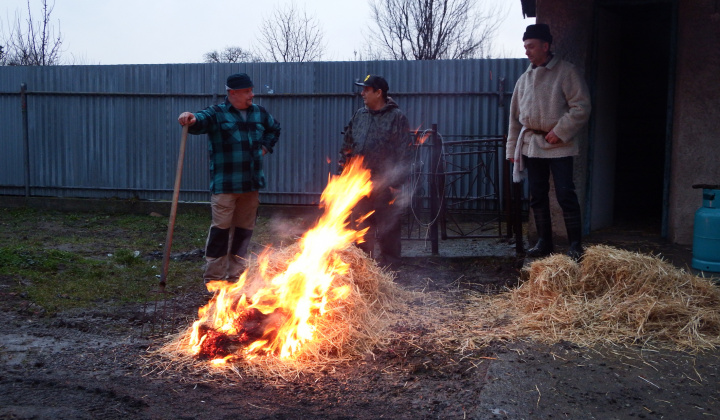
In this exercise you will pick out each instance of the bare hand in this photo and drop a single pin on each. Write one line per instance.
(552, 138)
(187, 118)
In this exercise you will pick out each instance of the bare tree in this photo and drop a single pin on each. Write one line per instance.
(290, 35)
(230, 55)
(34, 44)
(434, 29)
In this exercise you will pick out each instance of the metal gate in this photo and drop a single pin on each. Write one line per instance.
(460, 188)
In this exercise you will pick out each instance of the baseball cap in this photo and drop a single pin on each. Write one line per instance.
(375, 82)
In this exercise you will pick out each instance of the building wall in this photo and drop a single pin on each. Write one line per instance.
(696, 122)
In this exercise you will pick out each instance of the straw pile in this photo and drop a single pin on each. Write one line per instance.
(349, 328)
(358, 323)
(618, 297)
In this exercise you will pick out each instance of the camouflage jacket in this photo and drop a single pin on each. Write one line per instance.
(383, 138)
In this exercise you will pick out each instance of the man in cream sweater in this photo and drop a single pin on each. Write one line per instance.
(549, 107)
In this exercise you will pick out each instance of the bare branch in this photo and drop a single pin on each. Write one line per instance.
(291, 35)
(434, 29)
(35, 43)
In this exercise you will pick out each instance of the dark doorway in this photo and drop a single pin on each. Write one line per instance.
(635, 98)
(642, 115)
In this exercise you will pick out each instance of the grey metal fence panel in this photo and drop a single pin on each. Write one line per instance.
(111, 131)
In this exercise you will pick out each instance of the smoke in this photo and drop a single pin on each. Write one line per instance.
(284, 230)
(391, 176)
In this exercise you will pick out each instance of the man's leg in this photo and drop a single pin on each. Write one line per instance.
(389, 227)
(539, 186)
(358, 220)
(562, 170)
(216, 246)
(246, 208)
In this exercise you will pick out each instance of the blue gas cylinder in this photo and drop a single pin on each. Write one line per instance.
(706, 233)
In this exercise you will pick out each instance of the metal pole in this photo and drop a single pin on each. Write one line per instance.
(517, 218)
(507, 198)
(26, 143)
(434, 190)
(504, 191)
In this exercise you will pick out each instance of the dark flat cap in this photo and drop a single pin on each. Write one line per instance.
(238, 81)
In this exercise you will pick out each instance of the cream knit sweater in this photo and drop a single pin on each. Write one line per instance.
(553, 97)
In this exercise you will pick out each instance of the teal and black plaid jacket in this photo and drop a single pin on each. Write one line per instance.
(236, 145)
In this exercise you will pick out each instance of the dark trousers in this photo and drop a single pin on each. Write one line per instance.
(539, 170)
(385, 223)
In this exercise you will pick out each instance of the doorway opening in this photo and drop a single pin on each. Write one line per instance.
(630, 132)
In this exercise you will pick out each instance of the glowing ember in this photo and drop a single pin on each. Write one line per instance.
(275, 314)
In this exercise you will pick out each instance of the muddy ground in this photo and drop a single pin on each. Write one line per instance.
(92, 364)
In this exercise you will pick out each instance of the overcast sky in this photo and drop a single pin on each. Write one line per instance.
(181, 31)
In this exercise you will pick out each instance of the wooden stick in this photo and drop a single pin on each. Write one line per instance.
(173, 210)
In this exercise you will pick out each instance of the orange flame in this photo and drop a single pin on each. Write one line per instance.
(423, 138)
(278, 317)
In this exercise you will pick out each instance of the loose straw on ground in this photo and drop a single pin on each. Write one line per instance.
(618, 297)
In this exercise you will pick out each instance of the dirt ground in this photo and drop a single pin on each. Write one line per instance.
(92, 364)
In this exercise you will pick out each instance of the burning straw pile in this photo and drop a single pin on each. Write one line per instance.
(618, 297)
(349, 327)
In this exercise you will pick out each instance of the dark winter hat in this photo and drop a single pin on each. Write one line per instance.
(538, 31)
(375, 82)
(238, 81)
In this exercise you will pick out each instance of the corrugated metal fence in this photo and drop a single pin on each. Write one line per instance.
(112, 131)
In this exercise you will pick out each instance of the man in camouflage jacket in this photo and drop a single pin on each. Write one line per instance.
(379, 132)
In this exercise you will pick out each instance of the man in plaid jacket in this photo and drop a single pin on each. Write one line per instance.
(239, 134)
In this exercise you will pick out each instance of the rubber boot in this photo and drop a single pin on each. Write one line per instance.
(573, 226)
(237, 262)
(544, 245)
(390, 245)
(216, 249)
(369, 244)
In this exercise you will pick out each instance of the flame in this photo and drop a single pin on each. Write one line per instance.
(422, 138)
(395, 193)
(274, 314)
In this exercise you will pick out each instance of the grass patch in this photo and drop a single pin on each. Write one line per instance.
(56, 280)
(92, 233)
(60, 260)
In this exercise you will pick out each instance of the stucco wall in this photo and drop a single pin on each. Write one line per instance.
(696, 122)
